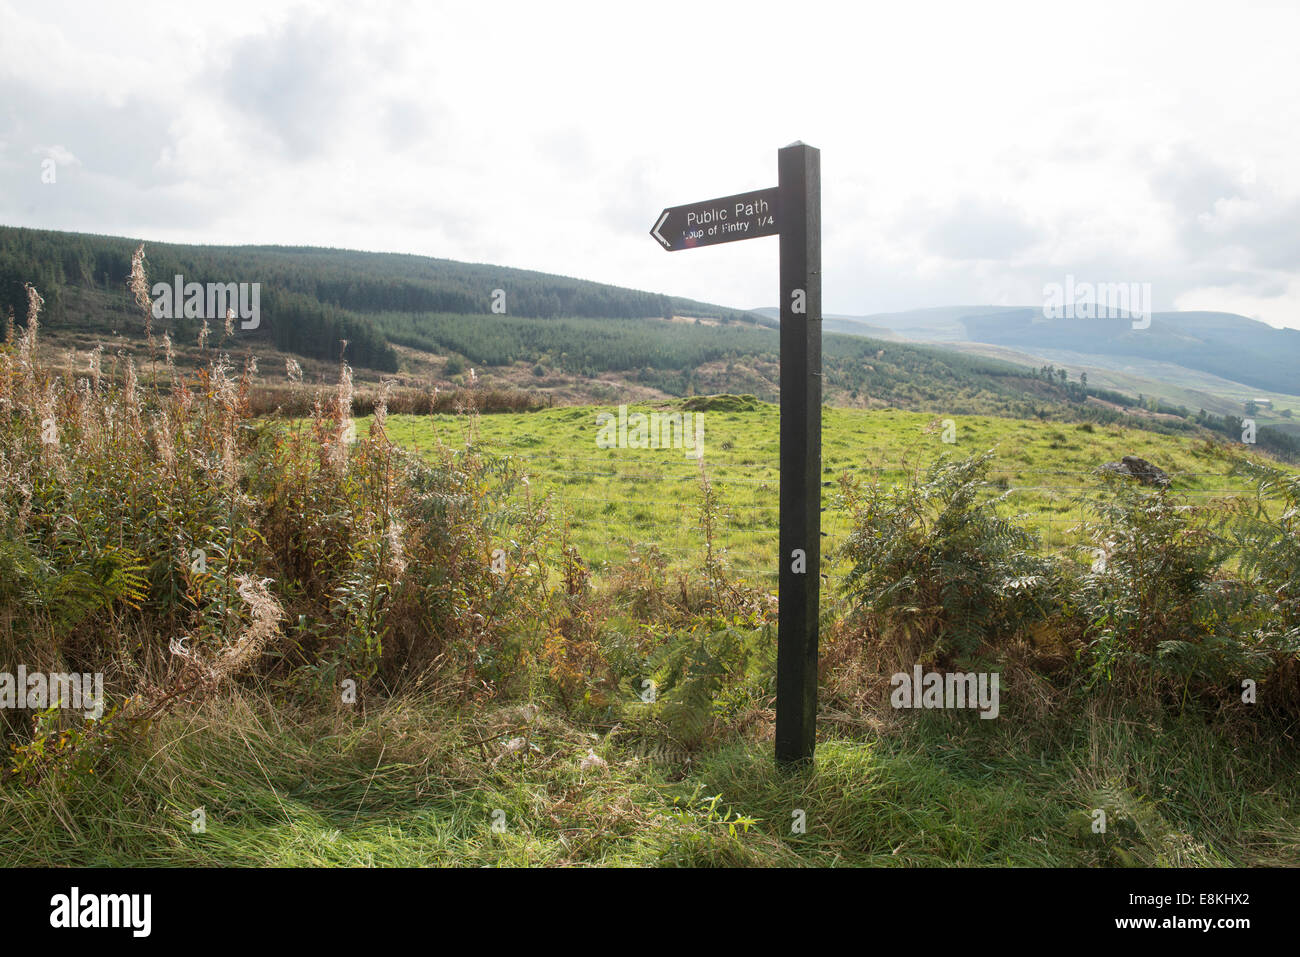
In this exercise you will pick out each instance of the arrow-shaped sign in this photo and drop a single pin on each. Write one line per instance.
(658, 226)
(724, 220)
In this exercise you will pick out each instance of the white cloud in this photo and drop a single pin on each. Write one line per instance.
(970, 153)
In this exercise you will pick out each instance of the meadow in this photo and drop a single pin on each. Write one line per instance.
(618, 501)
(477, 639)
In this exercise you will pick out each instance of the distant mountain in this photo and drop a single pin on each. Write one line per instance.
(936, 324)
(429, 320)
(1219, 344)
(400, 313)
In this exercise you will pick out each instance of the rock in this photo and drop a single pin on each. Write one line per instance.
(1140, 469)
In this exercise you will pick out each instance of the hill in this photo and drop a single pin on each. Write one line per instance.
(312, 298)
(1218, 344)
(429, 319)
(423, 323)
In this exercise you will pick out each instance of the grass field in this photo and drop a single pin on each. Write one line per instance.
(550, 757)
(617, 499)
(399, 787)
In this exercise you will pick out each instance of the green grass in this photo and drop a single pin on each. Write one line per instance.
(618, 499)
(295, 780)
(406, 785)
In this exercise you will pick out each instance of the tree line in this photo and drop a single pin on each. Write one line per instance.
(313, 298)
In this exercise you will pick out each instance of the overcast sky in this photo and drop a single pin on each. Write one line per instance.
(971, 153)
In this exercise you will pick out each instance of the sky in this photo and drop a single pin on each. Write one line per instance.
(971, 153)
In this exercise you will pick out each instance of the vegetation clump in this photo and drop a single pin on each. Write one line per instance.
(349, 651)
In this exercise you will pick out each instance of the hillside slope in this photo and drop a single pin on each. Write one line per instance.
(429, 321)
(312, 298)
(396, 310)
(1222, 345)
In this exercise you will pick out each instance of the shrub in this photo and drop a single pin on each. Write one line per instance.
(1159, 608)
(1267, 534)
(164, 537)
(937, 569)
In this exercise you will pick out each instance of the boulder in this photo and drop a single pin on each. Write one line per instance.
(1140, 469)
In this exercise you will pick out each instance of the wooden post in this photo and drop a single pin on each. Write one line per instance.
(799, 218)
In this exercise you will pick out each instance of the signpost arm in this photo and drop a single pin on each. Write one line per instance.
(799, 214)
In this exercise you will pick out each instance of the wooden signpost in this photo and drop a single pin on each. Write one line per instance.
(793, 211)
